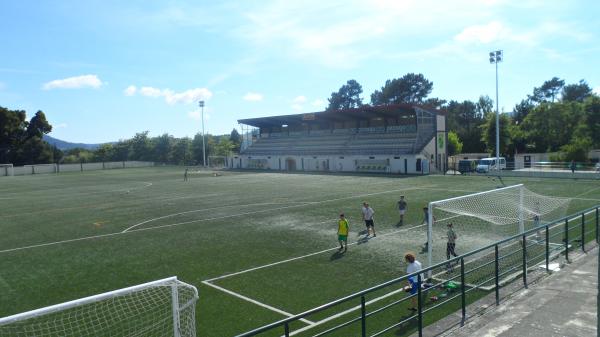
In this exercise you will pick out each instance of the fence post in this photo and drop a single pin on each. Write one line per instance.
(547, 248)
(462, 291)
(286, 328)
(363, 316)
(419, 306)
(597, 236)
(583, 232)
(497, 274)
(524, 261)
(567, 240)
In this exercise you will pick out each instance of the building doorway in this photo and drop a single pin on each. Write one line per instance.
(290, 164)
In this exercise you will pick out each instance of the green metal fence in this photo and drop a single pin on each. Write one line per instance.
(445, 287)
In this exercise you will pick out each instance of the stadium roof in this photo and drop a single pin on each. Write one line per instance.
(365, 112)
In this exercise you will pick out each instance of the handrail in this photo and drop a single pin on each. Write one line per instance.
(286, 321)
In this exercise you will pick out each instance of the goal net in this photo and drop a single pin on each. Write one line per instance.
(6, 170)
(482, 218)
(161, 308)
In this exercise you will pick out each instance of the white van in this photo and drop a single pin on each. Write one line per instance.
(489, 164)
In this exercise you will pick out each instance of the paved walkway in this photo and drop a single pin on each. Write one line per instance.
(561, 304)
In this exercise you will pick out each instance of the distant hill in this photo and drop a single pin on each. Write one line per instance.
(63, 145)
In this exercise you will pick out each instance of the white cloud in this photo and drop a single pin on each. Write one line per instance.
(76, 82)
(487, 33)
(299, 100)
(150, 92)
(60, 126)
(130, 90)
(253, 97)
(171, 97)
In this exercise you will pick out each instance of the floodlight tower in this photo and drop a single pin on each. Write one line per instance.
(201, 104)
(495, 58)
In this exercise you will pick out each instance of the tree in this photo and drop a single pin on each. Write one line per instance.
(180, 151)
(236, 139)
(224, 147)
(521, 110)
(577, 149)
(548, 90)
(488, 135)
(347, 97)
(162, 148)
(21, 141)
(141, 147)
(576, 92)
(455, 146)
(591, 108)
(197, 149)
(104, 152)
(410, 88)
(465, 119)
(551, 125)
(435, 102)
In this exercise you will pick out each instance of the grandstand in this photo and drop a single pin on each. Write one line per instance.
(399, 139)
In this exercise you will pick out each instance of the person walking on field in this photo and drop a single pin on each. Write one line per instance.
(413, 281)
(450, 246)
(367, 214)
(343, 229)
(573, 166)
(185, 174)
(401, 209)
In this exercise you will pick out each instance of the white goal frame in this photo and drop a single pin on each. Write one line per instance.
(171, 282)
(520, 187)
(8, 169)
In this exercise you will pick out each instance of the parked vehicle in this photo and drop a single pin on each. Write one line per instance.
(489, 164)
(467, 165)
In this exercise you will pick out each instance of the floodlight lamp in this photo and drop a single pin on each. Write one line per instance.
(498, 58)
(201, 104)
(498, 52)
(492, 60)
(492, 54)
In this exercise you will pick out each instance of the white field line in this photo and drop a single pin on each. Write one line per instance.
(305, 256)
(330, 318)
(266, 306)
(208, 209)
(586, 192)
(264, 210)
(20, 194)
(177, 224)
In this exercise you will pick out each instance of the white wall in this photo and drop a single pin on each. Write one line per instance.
(336, 163)
(53, 168)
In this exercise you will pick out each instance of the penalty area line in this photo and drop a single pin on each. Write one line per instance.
(305, 256)
(248, 299)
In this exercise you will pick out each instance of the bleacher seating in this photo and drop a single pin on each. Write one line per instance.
(373, 140)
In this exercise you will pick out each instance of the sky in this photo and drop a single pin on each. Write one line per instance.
(102, 70)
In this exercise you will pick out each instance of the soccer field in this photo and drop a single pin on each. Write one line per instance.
(258, 246)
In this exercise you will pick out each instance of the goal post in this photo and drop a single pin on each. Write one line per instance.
(217, 162)
(164, 307)
(7, 170)
(488, 216)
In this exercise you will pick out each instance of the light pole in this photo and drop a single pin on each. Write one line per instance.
(201, 104)
(495, 57)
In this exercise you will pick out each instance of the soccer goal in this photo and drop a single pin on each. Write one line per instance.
(160, 308)
(6, 170)
(486, 217)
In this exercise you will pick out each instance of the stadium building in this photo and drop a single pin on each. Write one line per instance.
(397, 139)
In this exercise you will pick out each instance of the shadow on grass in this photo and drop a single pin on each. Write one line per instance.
(337, 255)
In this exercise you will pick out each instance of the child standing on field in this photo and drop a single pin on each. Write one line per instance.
(401, 209)
(343, 229)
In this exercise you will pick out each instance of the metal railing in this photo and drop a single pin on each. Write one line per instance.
(481, 272)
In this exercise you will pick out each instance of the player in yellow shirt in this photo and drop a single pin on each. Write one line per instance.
(343, 229)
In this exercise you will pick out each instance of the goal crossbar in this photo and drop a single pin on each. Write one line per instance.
(433, 203)
(176, 297)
